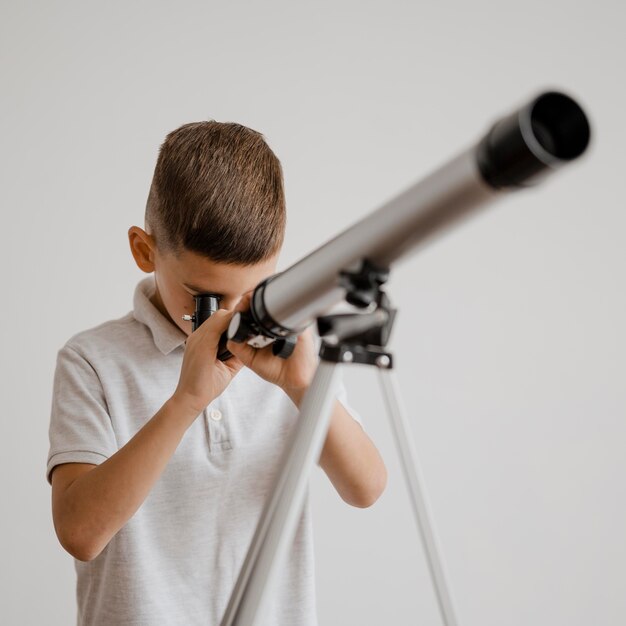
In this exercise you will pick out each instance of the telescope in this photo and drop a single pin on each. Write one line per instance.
(518, 151)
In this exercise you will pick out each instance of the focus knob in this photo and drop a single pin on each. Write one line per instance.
(284, 347)
(240, 327)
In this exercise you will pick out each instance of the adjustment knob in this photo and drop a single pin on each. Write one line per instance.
(240, 327)
(284, 347)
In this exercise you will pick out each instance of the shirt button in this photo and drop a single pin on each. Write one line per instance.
(215, 415)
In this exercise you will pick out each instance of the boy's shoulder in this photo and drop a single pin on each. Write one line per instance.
(142, 334)
(106, 336)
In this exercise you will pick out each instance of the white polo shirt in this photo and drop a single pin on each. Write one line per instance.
(176, 561)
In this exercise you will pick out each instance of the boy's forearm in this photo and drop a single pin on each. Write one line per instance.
(349, 458)
(98, 503)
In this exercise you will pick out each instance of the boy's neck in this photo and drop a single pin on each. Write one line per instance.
(155, 298)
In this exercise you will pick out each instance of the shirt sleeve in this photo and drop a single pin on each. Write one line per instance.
(342, 396)
(80, 428)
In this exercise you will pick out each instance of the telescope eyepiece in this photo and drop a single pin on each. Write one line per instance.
(206, 305)
(547, 132)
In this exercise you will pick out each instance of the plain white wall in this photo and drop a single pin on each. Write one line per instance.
(510, 341)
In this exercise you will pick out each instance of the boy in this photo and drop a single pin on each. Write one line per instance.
(161, 456)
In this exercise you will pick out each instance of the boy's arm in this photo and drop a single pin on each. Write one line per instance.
(91, 508)
(99, 501)
(349, 458)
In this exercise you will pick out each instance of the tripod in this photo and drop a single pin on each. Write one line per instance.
(346, 338)
(518, 150)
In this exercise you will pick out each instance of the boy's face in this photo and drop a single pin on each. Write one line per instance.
(179, 279)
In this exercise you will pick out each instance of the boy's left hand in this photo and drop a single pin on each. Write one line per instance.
(293, 374)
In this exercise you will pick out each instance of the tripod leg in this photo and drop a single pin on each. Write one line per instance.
(275, 530)
(410, 465)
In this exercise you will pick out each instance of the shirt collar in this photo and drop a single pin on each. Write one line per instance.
(166, 335)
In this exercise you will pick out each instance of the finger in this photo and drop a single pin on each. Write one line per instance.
(250, 355)
(244, 352)
(215, 325)
(307, 334)
(234, 363)
(244, 302)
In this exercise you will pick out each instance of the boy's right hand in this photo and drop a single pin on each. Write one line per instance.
(203, 377)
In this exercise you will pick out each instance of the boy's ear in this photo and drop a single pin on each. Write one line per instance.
(142, 247)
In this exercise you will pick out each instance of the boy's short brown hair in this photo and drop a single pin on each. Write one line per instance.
(218, 191)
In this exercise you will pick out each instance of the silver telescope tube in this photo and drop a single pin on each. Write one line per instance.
(518, 151)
